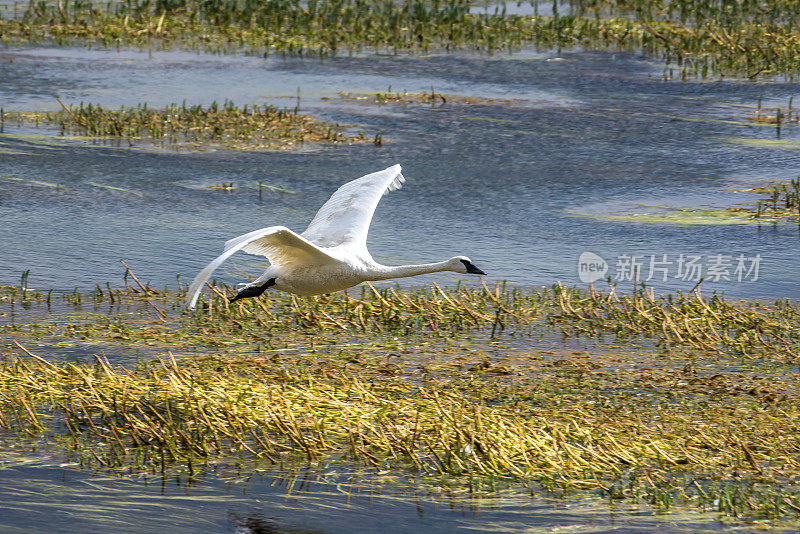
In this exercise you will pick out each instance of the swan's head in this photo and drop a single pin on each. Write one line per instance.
(463, 265)
(252, 290)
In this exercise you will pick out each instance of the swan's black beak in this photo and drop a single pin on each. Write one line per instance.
(253, 291)
(471, 269)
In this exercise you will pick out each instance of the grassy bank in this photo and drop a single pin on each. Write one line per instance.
(672, 401)
(745, 39)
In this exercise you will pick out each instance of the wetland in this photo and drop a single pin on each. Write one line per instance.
(660, 137)
(467, 395)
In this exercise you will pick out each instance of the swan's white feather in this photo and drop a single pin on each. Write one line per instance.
(345, 218)
(279, 244)
(332, 253)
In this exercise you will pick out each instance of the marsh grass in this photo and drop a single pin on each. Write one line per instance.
(432, 99)
(707, 324)
(208, 408)
(227, 125)
(695, 401)
(716, 325)
(695, 39)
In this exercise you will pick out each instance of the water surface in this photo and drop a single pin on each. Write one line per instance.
(39, 498)
(507, 185)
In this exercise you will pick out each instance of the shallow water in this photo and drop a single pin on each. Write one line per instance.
(508, 185)
(39, 497)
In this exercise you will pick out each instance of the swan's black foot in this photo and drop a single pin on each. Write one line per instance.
(253, 291)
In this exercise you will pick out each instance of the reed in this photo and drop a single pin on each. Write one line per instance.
(781, 201)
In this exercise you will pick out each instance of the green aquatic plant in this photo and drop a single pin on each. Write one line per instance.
(670, 215)
(780, 201)
(246, 128)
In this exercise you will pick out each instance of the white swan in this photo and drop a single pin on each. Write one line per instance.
(332, 253)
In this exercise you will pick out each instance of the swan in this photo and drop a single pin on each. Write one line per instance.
(331, 254)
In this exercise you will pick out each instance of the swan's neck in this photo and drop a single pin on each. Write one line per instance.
(385, 272)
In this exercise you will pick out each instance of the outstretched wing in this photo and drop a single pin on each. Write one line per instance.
(279, 244)
(345, 217)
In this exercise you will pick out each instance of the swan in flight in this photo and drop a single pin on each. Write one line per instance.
(332, 253)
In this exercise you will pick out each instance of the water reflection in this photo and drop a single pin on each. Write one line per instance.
(339, 499)
(258, 524)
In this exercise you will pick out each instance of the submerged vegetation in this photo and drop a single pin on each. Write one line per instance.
(670, 400)
(697, 38)
(781, 201)
(777, 116)
(225, 125)
(432, 99)
(669, 215)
